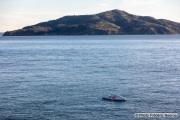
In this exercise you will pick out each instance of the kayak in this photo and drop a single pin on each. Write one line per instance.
(114, 98)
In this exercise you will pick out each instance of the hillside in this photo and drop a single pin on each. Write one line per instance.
(115, 22)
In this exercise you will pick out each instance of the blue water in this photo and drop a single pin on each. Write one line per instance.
(60, 77)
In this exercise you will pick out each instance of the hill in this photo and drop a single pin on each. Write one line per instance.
(114, 22)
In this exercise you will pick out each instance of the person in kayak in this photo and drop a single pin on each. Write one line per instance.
(114, 97)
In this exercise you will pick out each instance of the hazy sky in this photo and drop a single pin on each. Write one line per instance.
(15, 14)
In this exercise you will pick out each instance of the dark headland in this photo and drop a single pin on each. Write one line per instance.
(115, 22)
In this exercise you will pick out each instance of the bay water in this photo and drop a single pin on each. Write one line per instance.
(65, 77)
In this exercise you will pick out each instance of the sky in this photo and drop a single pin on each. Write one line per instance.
(16, 14)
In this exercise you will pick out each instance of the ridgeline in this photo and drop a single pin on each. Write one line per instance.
(115, 22)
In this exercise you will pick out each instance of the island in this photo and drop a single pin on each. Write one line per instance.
(114, 22)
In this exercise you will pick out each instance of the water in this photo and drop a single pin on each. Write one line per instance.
(60, 77)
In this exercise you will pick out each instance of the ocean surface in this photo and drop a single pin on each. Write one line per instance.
(65, 77)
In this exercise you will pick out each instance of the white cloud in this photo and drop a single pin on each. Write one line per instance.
(140, 2)
(104, 4)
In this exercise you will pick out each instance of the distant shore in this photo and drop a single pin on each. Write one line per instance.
(1, 33)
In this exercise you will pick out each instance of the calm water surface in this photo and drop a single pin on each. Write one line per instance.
(60, 77)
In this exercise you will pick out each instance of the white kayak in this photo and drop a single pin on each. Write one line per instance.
(114, 98)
